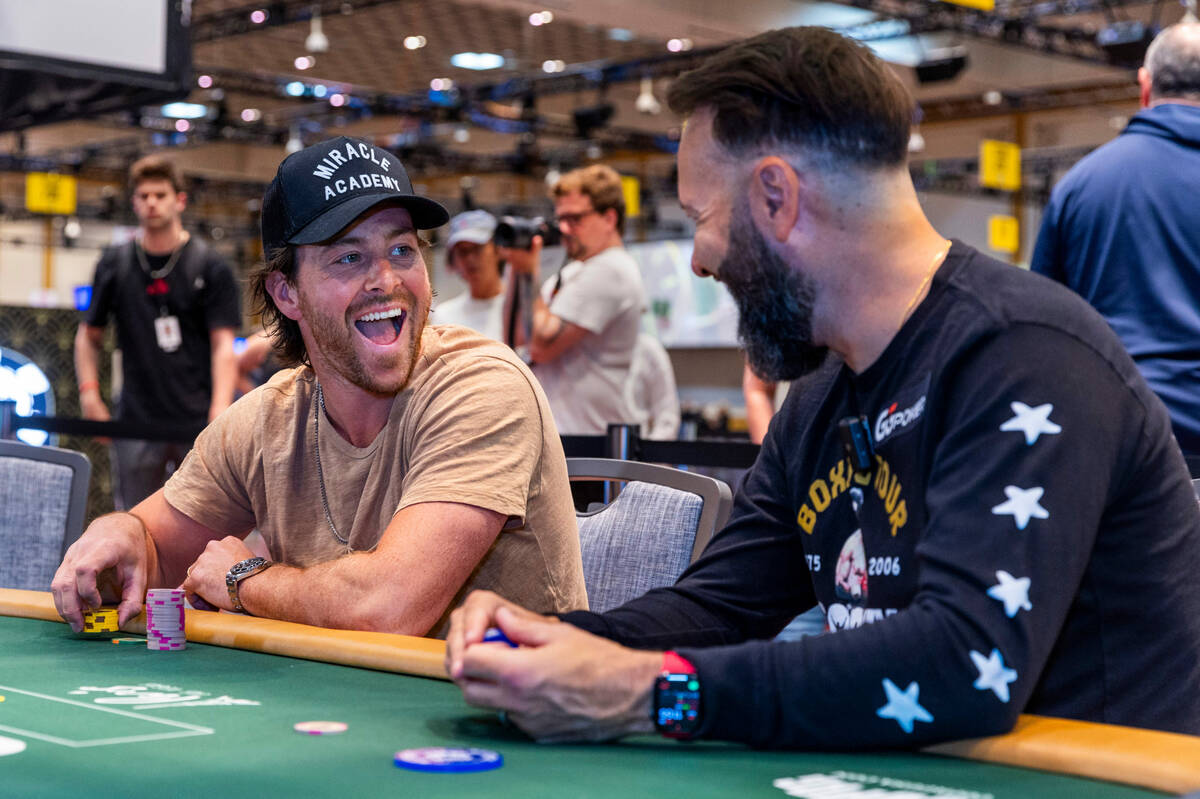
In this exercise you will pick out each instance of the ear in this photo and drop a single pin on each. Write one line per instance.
(775, 197)
(181, 199)
(286, 298)
(1144, 85)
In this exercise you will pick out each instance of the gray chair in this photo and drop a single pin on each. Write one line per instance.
(43, 498)
(659, 523)
(1196, 487)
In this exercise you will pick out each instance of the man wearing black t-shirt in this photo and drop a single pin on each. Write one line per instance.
(176, 306)
(977, 486)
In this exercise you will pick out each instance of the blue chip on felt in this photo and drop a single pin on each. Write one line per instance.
(448, 759)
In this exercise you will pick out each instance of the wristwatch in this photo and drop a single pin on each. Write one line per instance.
(240, 571)
(677, 698)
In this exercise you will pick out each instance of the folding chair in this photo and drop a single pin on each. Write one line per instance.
(658, 524)
(43, 498)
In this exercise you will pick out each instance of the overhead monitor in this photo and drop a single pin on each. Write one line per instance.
(72, 58)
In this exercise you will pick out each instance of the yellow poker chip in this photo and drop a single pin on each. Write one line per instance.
(100, 623)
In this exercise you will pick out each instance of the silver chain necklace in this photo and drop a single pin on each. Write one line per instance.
(157, 274)
(318, 409)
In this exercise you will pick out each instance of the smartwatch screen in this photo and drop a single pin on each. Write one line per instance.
(677, 703)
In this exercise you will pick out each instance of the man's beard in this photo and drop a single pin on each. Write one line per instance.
(775, 304)
(334, 338)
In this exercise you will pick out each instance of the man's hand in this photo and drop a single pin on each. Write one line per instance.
(523, 262)
(560, 683)
(471, 620)
(206, 577)
(107, 563)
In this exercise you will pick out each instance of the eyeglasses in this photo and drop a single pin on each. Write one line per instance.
(573, 219)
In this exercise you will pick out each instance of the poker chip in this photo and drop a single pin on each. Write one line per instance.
(99, 623)
(164, 620)
(448, 759)
(496, 635)
(320, 727)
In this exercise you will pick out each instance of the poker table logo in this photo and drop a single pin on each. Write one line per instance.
(853, 785)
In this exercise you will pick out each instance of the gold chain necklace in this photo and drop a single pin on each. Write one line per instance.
(937, 259)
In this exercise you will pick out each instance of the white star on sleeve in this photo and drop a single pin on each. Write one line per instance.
(902, 705)
(1031, 421)
(1022, 505)
(993, 674)
(1012, 591)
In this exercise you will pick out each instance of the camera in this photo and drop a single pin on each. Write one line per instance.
(517, 232)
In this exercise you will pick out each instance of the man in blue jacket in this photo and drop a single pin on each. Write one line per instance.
(1123, 230)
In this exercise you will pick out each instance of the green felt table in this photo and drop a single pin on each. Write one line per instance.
(102, 719)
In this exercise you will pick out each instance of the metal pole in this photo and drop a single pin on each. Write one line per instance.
(8, 416)
(622, 444)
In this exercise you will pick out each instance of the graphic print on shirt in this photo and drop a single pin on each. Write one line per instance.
(824, 490)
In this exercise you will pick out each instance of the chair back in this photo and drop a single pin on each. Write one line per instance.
(659, 523)
(43, 498)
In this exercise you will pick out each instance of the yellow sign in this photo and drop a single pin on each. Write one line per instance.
(982, 5)
(1004, 234)
(47, 193)
(631, 187)
(999, 165)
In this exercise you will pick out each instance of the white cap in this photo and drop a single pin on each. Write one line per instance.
(476, 227)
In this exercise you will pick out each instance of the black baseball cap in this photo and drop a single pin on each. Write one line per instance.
(321, 189)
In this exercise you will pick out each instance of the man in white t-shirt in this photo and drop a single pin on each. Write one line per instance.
(586, 320)
(471, 255)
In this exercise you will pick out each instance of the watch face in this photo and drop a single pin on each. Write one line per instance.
(248, 565)
(677, 704)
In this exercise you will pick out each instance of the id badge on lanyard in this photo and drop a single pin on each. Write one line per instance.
(167, 331)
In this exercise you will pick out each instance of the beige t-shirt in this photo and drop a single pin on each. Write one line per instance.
(472, 426)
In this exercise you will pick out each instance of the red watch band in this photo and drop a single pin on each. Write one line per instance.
(675, 663)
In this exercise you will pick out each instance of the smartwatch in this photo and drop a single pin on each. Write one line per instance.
(677, 698)
(240, 571)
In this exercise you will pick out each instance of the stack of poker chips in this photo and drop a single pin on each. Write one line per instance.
(99, 621)
(164, 619)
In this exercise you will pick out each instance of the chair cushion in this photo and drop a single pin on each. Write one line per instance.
(34, 503)
(642, 540)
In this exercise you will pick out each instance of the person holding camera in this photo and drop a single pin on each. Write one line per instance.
(585, 321)
(471, 254)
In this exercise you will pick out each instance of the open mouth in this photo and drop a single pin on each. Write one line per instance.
(382, 327)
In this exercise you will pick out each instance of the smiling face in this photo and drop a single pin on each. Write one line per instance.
(775, 299)
(361, 301)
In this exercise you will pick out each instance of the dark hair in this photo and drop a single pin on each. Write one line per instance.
(599, 183)
(1173, 61)
(155, 167)
(806, 87)
(284, 332)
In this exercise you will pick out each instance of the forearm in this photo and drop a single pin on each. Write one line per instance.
(224, 377)
(546, 329)
(344, 594)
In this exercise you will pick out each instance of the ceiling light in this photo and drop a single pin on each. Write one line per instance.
(319, 90)
(646, 102)
(304, 62)
(620, 34)
(462, 135)
(679, 45)
(184, 110)
(182, 125)
(337, 100)
(539, 18)
(414, 42)
(317, 41)
(441, 84)
(553, 66)
(294, 89)
(294, 143)
(251, 115)
(992, 97)
(478, 61)
(916, 142)
(258, 16)
(204, 81)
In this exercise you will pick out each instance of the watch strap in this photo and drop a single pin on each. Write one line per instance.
(240, 571)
